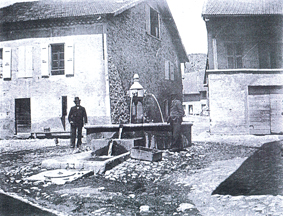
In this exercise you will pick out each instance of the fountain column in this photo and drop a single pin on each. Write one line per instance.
(136, 94)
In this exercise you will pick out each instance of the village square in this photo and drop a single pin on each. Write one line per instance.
(103, 111)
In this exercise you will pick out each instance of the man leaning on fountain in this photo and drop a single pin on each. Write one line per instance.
(77, 118)
(175, 119)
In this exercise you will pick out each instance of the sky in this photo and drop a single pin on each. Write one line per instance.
(187, 16)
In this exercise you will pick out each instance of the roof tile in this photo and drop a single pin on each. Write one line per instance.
(48, 9)
(242, 7)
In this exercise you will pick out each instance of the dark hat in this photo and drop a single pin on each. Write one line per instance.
(77, 99)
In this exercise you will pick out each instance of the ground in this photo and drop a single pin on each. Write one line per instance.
(181, 184)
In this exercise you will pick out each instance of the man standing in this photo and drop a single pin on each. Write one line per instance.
(175, 120)
(77, 118)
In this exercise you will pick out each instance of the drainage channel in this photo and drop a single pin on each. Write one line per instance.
(14, 207)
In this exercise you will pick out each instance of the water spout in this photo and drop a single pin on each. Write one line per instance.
(120, 131)
(110, 148)
(161, 114)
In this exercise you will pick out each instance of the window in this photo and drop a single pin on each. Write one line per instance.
(57, 59)
(154, 23)
(276, 58)
(191, 110)
(270, 55)
(1, 63)
(202, 95)
(234, 55)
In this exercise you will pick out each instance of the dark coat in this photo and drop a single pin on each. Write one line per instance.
(176, 109)
(176, 112)
(78, 116)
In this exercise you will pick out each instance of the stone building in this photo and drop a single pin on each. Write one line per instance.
(245, 66)
(52, 51)
(194, 91)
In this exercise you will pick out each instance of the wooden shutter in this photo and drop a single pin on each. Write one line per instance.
(69, 59)
(147, 14)
(7, 55)
(21, 61)
(29, 62)
(172, 71)
(167, 73)
(45, 60)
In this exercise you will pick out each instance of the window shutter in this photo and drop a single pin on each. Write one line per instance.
(172, 71)
(69, 59)
(29, 63)
(7, 62)
(147, 14)
(44, 61)
(21, 61)
(167, 70)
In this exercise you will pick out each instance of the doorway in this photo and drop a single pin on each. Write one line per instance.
(22, 115)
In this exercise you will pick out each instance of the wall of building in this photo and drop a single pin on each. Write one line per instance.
(88, 82)
(228, 100)
(132, 50)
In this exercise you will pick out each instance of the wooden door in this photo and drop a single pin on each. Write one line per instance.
(276, 104)
(22, 115)
(259, 114)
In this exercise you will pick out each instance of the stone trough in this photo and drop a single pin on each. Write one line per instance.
(85, 161)
(108, 151)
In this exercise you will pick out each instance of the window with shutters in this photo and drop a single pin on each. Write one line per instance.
(57, 59)
(1, 63)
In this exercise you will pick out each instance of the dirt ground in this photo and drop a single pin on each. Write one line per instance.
(180, 184)
(141, 184)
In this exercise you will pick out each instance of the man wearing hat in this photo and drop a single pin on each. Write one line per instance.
(77, 118)
(175, 119)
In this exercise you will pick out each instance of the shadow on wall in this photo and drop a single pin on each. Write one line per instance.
(260, 174)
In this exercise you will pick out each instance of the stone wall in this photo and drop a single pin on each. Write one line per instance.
(133, 51)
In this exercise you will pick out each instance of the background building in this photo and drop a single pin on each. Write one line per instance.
(194, 91)
(245, 66)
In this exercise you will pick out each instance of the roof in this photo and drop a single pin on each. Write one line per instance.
(48, 9)
(53, 9)
(242, 7)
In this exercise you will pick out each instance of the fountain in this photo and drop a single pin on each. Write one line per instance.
(144, 141)
(151, 135)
